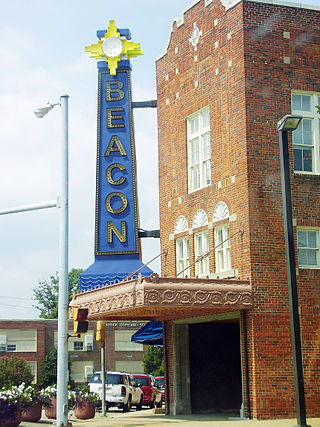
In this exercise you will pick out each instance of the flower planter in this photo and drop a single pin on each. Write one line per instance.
(51, 411)
(33, 413)
(13, 421)
(84, 410)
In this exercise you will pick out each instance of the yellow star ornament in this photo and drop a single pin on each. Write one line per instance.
(113, 48)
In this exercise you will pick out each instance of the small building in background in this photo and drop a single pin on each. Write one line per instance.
(32, 340)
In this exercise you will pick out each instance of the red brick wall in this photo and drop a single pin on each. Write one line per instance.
(269, 82)
(246, 101)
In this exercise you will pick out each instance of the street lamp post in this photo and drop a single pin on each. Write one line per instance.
(286, 124)
(63, 299)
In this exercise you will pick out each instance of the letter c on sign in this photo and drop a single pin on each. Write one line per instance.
(109, 174)
(123, 206)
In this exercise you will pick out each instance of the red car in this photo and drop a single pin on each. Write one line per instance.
(151, 394)
(160, 384)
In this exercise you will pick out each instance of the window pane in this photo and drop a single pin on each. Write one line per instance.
(207, 172)
(302, 257)
(307, 125)
(312, 257)
(296, 102)
(205, 118)
(194, 125)
(227, 235)
(228, 259)
(297, 159)
(221, 266)
(194, 151)
(306, 102)
(307, 160)
(312, 239)
(297, 135)
(205, 141)
(302, 239)
(195, 177)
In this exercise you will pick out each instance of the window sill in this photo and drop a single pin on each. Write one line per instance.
(306, 174)
(230, 274)
(198, 189)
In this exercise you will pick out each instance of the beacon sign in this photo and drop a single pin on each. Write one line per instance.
(117, 249)
(116, 203)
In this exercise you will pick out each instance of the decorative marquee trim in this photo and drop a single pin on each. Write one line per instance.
(164, 298)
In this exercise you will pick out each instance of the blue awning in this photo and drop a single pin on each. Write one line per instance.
(149, 334)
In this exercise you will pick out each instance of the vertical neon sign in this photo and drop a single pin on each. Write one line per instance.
(117, 252)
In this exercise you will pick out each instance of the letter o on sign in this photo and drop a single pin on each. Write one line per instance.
(122, 207)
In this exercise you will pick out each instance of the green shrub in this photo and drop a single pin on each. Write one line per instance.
(14, 371)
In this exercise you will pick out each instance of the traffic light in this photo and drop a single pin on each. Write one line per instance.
(101, 331)
(80, 323)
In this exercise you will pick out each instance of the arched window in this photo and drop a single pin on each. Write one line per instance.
(182, 248)
(201, 243)
(222, 238)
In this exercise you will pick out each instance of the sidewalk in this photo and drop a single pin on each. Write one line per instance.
(148, 418)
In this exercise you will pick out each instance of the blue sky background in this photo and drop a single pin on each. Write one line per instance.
(42, 56)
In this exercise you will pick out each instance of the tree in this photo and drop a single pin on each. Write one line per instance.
(14, 371)
(46, 293)
(49, 369)
(153, 361)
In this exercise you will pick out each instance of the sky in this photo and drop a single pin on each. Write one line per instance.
(42, 57)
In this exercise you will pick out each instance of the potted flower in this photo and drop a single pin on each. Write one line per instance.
(49, 400)
(32, 408)
(85, 403)
(47, 397)
(12, 401)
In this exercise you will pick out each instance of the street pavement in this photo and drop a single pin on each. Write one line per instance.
(147, 417)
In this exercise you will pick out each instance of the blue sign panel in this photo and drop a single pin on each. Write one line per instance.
(116, 202)
(117, 249)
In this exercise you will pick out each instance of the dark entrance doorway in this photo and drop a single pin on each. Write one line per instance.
(215, 367)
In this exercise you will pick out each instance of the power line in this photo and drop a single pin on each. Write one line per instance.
(6, 296)
(16, 306)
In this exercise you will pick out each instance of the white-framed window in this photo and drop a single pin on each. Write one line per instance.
(201, 246)
(222, 248)
(78, 346)
(88, 372)
(308, 243)
(80, 370)
(3, 343)
(18, 340)
(11, 346)
(88, 342)
(182, 257)
(122, 341)
(199, 150)
(306, 138)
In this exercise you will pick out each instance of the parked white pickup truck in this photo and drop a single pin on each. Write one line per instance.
(120, 390)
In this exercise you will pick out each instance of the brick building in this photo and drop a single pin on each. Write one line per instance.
(33, 339)
(231, 71)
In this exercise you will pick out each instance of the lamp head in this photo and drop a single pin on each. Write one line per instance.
(42, 111)
(289, 122)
